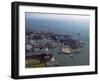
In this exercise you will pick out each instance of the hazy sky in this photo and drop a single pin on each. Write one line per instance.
(57, 17)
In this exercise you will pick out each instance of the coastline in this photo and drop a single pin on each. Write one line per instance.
(38, 44)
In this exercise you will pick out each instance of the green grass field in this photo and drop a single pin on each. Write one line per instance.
(33, 63)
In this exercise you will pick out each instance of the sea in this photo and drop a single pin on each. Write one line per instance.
(77, 26)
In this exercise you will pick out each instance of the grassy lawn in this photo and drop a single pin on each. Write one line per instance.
(33, 63)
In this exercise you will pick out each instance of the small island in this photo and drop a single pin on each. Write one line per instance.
(38, 45)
